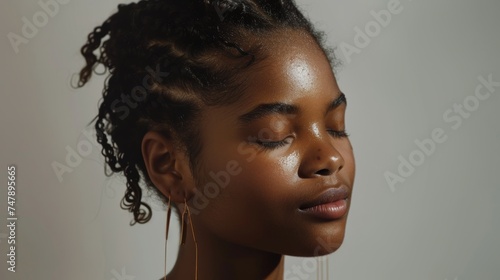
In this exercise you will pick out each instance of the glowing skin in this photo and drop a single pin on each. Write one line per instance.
(301, 73)
(245, 230)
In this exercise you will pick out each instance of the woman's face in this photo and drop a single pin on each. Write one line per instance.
(276, 150)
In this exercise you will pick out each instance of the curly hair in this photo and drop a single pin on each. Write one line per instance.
(168, 58)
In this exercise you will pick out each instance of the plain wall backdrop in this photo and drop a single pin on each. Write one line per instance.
(424, 94)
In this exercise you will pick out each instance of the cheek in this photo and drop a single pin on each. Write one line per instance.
(261, 179)
(349, 169)
(258, 194)
(290, 164)
(254, 186)
(268, 179)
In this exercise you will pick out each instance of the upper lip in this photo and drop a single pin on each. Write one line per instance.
(330, 195)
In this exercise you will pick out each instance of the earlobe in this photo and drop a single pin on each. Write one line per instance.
(165, 165)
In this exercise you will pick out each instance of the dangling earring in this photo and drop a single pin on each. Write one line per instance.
(319, 274)
(327, 268)
(319, 269)
(183, 235)
(166, 238)
(327, 275)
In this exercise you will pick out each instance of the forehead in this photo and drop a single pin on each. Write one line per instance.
(295, 67)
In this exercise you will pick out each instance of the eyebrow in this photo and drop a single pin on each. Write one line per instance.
(284, 109)
(267, 109)
(337, 102)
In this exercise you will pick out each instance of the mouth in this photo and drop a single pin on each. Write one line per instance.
(331, 204)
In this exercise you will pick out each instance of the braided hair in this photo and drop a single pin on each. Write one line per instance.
(165, 60)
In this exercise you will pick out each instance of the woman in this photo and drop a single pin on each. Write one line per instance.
(230, 112)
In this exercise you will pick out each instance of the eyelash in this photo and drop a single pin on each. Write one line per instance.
(271, 145)
(338, 134)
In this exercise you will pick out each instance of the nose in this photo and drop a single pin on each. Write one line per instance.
(320, 159)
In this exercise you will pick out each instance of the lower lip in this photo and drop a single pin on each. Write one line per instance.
(330, 211)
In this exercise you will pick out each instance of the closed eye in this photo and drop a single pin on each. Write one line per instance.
(338, 134)
(266, 144)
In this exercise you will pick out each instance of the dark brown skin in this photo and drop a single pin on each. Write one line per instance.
(245, 231)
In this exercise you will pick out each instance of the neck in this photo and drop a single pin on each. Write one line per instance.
(220, 259)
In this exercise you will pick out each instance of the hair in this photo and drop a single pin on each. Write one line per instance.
(172, 57)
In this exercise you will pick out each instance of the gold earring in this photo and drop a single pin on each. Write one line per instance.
(320, 269)
(322, 272)
(183, 222)
(166, 238)
(183, 235)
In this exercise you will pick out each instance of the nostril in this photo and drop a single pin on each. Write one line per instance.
(324, 172)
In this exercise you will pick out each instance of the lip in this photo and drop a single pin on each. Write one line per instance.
(331, 204)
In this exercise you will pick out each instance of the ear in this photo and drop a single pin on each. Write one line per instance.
(167, 166)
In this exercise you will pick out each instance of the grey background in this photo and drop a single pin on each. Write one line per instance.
(440, 223)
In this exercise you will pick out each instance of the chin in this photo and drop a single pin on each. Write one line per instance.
(317, 245)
